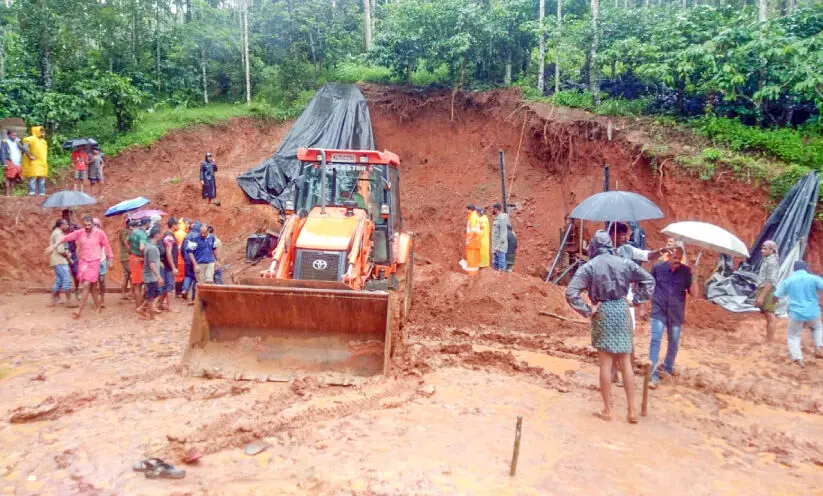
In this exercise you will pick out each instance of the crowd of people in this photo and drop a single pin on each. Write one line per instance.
(26, 158)
(489, 245)
(617, 284)
(158, 264)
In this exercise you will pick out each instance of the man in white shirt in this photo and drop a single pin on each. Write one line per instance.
(11, 158)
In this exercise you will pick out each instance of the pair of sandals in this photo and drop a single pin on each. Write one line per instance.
(155, 468)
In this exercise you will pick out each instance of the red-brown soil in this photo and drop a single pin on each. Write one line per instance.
(87, 398)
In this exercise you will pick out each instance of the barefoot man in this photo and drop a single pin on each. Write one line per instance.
(606, 278)
(764, 297)
(91, 243)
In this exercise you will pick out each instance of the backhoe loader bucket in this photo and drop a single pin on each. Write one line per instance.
(267, 329)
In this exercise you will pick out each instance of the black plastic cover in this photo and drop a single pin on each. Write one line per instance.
(337, 117)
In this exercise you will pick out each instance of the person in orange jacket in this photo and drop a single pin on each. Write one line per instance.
(485, 239)
(474, 240)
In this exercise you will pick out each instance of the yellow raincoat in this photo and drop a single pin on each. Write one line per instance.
(39, 149)
(473, 242)
(485, 241)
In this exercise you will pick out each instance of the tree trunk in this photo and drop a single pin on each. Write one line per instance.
(684, 4)
(373, 16)
(2, 56)
(203, 71)
(790, 4)
(541, 52)
(189, 10)
(762, 10)
(246, 49)
(367, 23)
(507, 79)
(557, 46)
(594, 82)
(645, 4)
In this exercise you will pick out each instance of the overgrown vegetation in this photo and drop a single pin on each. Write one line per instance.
(750, 77)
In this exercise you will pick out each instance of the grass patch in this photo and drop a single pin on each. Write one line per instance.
(802, 146)
(585, 100)
(150, 127)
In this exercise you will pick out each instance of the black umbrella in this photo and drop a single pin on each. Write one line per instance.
(616, 206)
(77, 142)
(68, 198)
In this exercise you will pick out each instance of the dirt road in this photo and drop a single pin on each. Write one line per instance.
(83, 400)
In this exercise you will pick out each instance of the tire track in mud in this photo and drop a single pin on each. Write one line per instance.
(284, 411)
(55, 407)
(767, 389)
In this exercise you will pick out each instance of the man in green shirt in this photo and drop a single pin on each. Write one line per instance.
(137, 242)
(123, 251)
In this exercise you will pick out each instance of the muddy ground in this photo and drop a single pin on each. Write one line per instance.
(83, 400)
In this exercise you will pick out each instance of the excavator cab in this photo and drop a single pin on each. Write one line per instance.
(334, 299)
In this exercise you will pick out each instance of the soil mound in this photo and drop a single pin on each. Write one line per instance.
(512, 302)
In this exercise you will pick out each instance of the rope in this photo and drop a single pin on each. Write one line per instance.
(517, 157)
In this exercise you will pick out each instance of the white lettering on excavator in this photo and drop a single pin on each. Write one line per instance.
(343, 157)
(356, 168)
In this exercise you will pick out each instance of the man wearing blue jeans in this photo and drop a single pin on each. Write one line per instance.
(500, 238)
(804, 310)
(672, 281)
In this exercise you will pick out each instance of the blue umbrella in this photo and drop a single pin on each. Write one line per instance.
(616, 206)
(127, 206)
(68, 198)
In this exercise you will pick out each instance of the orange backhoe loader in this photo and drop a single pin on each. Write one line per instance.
(337, 292)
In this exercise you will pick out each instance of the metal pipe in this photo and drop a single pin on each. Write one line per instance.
(503, 181)
(560, 251)
(605, 177)
(322, 182)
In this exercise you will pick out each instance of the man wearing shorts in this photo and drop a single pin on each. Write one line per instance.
(151, 274)
(137, 243)
(95, 171)
(80, 159)
(123, 250)
(103, 267)
(91, 243)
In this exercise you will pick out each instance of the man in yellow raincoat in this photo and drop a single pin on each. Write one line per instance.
(35, 160)
(485, 239)
(473, 240)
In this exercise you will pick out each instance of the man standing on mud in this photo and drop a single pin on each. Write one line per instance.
(764, 297)
(137, 243)
(804, 310)
(606, 279)
(123, 251)
(168, 269)
(672, 280)
(59, 260)
(500, 238)
(473, 240)
(11, 157)
(202, 256)
(91, 243)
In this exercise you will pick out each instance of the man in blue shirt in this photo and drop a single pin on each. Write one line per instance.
(201, 255)
(804, 309)
(672, 280)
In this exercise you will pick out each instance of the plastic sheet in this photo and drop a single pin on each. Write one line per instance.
(337, 117)
(788, 226)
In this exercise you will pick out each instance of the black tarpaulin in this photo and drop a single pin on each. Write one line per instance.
(337, 117)
(788, 226)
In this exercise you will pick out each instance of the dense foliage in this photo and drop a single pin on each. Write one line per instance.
(68, 61)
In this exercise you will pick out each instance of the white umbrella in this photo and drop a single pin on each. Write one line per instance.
(707, 236)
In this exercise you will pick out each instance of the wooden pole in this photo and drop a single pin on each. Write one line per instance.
(503, 181)
(517, 430)
(647, 373)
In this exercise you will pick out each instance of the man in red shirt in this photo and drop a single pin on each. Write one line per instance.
(80, 159)
(91, 244)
